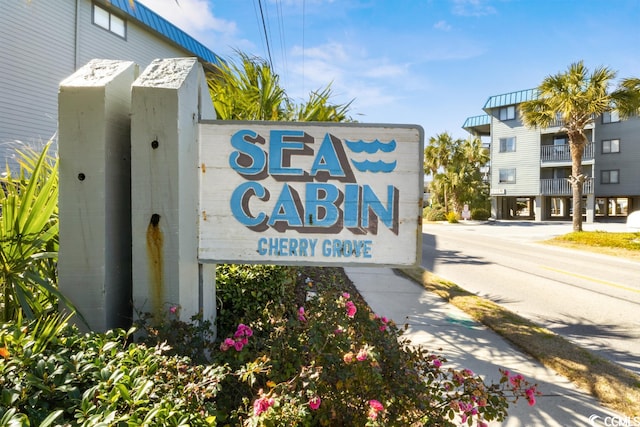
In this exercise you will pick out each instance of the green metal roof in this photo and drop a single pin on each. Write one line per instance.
(474, 121)
(511, 98)
(149, 18)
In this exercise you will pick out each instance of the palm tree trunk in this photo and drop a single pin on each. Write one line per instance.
(577, 142)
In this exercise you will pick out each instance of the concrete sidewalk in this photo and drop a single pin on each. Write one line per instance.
(446, 330)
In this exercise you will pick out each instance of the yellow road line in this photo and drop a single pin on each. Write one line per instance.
(603, 282)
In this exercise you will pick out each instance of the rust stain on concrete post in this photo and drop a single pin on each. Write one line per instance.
(156, 264)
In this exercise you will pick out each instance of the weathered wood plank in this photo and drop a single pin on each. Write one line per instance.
(311, 211)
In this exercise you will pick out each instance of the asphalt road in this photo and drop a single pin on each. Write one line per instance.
(591, 299)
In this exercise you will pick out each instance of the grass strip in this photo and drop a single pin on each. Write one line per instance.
(614, 386)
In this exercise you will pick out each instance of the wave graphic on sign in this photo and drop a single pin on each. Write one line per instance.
(378, 166)
(371, 147)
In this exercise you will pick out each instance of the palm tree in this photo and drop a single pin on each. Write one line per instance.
(249, 90)
(577, 97)
(454, 165)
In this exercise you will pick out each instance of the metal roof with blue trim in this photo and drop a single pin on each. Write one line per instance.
(150, 19)
(511, 98)
(478, 125)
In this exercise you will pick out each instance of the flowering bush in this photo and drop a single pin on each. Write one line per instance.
(331, 361)
(319, 361)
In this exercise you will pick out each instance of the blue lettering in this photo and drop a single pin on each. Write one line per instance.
(320, 208)
(282, 246)
(261, 249)
(240, 203)
(371, 204)
(293, 246)
(347, 248)
(249, 160)
(326, 247)
(327, 160)
(351, 205)
(286, 209)
(281, 141)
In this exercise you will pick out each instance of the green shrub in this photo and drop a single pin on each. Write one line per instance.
(480, 214)
(99, 379)
(243, 291)
(433, 214)
(452, 217)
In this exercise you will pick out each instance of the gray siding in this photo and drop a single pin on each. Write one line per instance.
(40, 49)
(37, 40)
(627, 161)
(140, 46)
(526, 158)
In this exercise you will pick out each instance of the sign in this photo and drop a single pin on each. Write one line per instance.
(310, 193)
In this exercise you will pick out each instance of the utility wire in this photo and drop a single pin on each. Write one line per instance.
(266, 34)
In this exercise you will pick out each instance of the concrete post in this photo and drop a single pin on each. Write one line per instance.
(94, 264)
(591, 208)
(539, 208)
(168, 100)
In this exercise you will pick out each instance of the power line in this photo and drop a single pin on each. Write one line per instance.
(266, 34)
(283, 45)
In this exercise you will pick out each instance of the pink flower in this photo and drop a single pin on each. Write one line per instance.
(314, 403)
(374, 408)
(173, 309)
(362, 355)
(227, 344)
(262, 404)
(531, 400)
(301, 317)
(516, 380)
(239, 340)
(346, 295)
(351, 309)
(437, 363)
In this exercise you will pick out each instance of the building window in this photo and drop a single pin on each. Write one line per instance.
(610, 146)
(610, 177)
(507, 176)
(507, 144)
(610, 117)
(107, 20)
(507, 113)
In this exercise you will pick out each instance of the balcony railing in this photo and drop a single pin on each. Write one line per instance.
(562, 187)
(562, 153)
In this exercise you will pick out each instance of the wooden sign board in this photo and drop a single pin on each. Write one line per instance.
(310, 193)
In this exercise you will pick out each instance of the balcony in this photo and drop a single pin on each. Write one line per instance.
(562, 153)
(562, 187)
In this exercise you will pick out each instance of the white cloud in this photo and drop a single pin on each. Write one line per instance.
(442, 25)
(473, 7)
(193, 16)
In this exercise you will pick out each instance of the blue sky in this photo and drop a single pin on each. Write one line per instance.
(427, 62)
